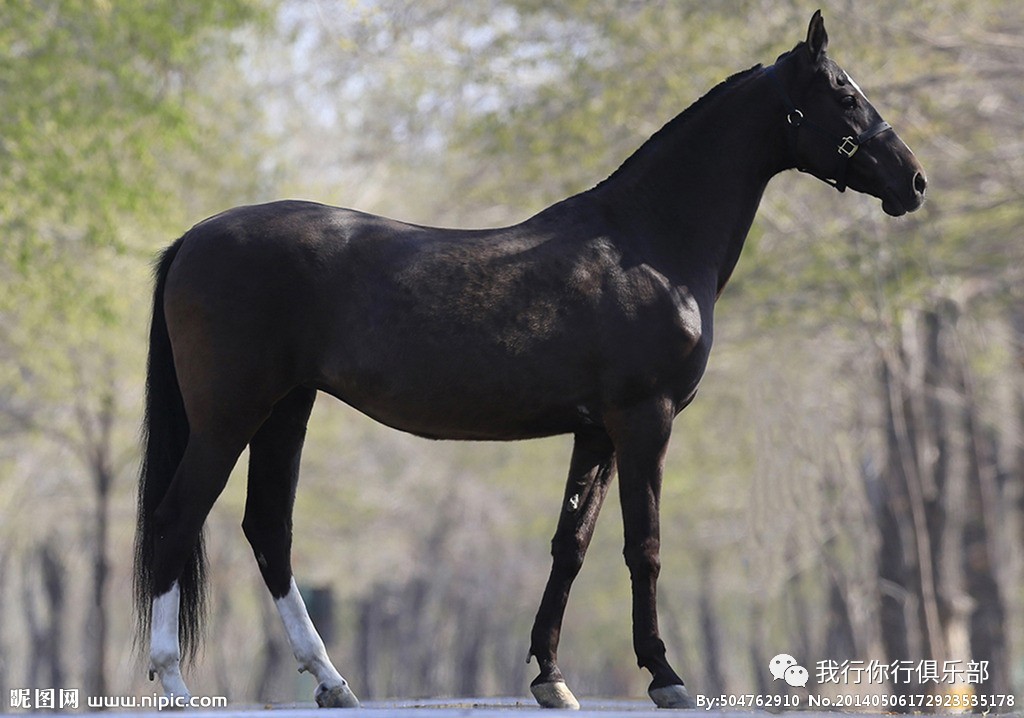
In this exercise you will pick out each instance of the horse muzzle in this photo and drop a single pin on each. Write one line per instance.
(898, 201)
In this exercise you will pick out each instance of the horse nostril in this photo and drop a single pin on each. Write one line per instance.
(920, 183)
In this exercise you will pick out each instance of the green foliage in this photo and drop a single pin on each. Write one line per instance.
(622, 72)
(94, 96)
(105, 112)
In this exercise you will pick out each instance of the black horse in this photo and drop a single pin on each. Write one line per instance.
(593, 317)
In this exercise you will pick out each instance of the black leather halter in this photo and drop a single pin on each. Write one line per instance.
(846, 147)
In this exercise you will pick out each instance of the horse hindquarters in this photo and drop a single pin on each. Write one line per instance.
(201, 411)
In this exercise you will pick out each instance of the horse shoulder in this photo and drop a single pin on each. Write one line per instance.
(653, 303)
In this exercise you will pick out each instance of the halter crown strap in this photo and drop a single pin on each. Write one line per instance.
(845, 146)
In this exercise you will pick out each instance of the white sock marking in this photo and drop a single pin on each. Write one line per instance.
(306, 643)
(164, 651)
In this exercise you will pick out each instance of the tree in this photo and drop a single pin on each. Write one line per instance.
(97, 100)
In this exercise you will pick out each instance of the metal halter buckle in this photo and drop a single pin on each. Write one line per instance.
(848, 147)
(795, 117)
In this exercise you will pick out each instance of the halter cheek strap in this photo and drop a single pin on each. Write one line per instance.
(846, 147)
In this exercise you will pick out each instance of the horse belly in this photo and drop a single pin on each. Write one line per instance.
(456, 411)
(441, 383)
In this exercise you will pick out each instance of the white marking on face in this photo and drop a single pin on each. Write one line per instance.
(854, 84)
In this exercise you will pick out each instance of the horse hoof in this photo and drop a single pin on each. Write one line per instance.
(555, 695)
(335, 697)
(671, 697)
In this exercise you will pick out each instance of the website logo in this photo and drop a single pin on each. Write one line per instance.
(785, 668)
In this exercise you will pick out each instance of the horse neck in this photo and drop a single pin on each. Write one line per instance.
(688, 196)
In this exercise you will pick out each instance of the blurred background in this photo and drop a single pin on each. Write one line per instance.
(849, 484)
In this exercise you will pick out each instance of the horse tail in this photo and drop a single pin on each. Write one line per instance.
(164, 435)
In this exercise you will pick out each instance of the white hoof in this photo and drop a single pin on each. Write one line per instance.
(671, 697)
(335, 697)
(555, 695)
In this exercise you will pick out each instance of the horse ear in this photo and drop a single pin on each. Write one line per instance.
(817, 38)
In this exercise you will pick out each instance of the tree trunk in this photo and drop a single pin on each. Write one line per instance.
(96, 424)
(940, 520)
(984, 512)
(275, 660)
(714, 679)
(46, 628)
(96, 624)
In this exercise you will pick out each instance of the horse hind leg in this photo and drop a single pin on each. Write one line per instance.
(274, 454)
(590, 473)
(177, 523)
(165, 651)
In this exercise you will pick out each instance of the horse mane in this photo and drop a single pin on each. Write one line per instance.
(655, 141)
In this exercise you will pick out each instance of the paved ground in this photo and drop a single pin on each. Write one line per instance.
(433, 708)
(465, 708)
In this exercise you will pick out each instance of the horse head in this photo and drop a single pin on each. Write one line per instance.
(836, 134)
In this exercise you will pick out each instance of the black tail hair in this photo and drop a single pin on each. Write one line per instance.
(164, 435)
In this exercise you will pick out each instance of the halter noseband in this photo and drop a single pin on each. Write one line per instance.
(846, 146)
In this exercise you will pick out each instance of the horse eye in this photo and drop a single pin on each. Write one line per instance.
(848, 101)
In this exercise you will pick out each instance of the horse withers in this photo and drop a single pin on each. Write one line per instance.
(592, 318)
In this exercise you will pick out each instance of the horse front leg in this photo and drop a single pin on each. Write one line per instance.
(590, 473)
(641, 438)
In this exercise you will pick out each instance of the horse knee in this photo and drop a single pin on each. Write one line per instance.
(643, 559)
(567, 556)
